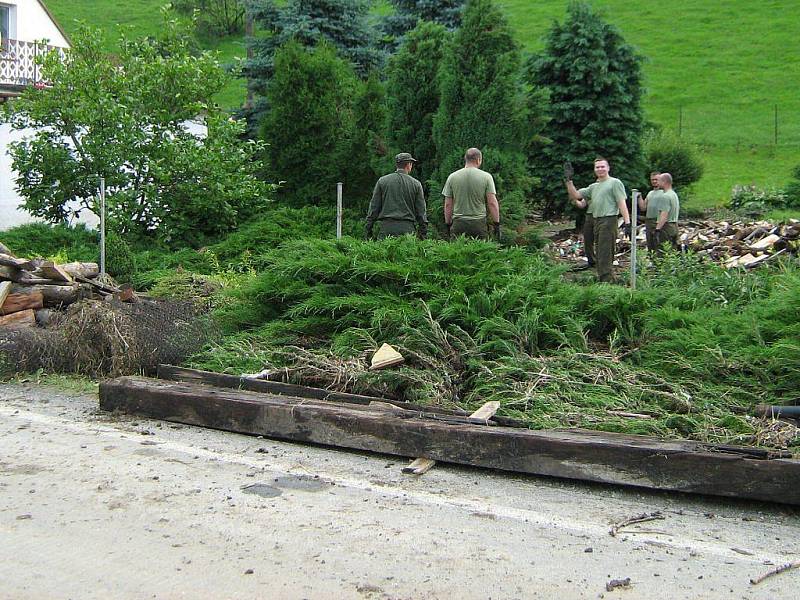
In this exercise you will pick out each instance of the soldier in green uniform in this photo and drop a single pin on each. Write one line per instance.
(607, 198)
(649, 205)
(398, 203)
(668, 206)
(469, 196)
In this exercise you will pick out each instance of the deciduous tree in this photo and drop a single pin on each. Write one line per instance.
(125, 118)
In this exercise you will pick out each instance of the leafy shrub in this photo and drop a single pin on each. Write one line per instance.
(753, 200)
(666, 152)
(44, 240)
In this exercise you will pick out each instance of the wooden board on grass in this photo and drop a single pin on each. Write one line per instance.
(683, 466)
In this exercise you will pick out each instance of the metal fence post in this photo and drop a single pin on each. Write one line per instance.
(634, 222)
(102, 225)
(339, 210)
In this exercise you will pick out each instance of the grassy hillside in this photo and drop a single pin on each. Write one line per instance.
(719, 68)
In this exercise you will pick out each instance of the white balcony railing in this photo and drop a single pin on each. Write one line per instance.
(18, 66)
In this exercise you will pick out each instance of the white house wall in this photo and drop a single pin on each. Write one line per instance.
(32, 23)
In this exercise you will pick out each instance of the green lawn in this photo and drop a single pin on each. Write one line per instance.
(719, 67)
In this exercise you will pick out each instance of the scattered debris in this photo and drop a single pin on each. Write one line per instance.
(781, 569)
(617, 583)
(643, 518)
(732, 244)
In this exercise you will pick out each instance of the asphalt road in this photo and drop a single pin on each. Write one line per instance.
(98, 506)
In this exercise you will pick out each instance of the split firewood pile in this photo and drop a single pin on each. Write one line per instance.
(31, 289)
(730, 243)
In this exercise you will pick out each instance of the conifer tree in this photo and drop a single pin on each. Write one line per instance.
(409, 12)
(413, 98)
(483, 104)
(594, 81)
(310, 122)
(344, 24)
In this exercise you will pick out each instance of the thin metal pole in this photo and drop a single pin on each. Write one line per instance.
(339, 210)
(102, 225)
(776, 124)
(634, 221)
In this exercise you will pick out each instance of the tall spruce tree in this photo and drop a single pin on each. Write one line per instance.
(407, 13)
(413, 97)
(595, 86)
(344, 24)
(483, 104)
(310, 122)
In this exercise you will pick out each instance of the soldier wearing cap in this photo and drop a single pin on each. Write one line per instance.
(470, 200)
(398, 203)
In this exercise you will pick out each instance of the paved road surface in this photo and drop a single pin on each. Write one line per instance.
(96, 506)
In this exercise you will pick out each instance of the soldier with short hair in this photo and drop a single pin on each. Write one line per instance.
(469, 198)
(669, 207)
(649, 204)
(607, 198)
(398, 203)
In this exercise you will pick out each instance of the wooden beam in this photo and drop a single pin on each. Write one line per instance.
(683, 466)
(17, 263)
(290, 389)
(421, 465)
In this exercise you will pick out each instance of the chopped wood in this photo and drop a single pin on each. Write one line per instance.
(643, 518)
(23, 318)
(484, 413)
(88, 270)
(386, 356)
(17, 263)
(5, 289)
(781, 569)
(419, 466)
(679, 465)
(766, 242)
(127, 295)
(17, 302)
(50, 270)
(4, 250)
(98, 285)
(9, 273)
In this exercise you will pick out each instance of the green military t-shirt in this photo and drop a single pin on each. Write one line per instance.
(652, 204)
(398, 197)
(468, 188)
(668, 201)
(603, 196)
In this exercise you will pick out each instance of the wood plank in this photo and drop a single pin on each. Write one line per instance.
(17, 302)
(575, 454)
(5, 250)
(17, 263)
(290, 389)
(50, 270)
(23, 318)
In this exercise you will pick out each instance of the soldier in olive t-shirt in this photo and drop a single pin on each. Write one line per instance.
(607, 197)
(668, 209)
(651, 212)
(470, 196)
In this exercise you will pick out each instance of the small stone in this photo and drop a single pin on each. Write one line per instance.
(249, 572)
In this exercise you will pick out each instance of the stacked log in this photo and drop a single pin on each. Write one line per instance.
(31, 289)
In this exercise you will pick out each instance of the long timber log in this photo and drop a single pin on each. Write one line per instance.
(683, 466)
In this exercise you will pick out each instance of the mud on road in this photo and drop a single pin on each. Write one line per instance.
(100, 506)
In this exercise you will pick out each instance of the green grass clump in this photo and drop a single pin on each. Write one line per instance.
(693, 350)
